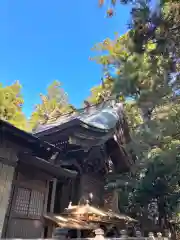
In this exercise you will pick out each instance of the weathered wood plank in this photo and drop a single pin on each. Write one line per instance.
(6, 177)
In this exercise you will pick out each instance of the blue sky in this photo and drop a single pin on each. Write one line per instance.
(44, 40)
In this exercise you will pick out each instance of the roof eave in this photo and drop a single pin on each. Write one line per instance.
(49, 168)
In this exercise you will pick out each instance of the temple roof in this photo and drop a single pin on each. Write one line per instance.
(36, 145)
(102, 117)
(92, 126)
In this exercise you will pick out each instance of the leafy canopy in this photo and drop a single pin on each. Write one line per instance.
(52, 106)
(11, 103)
(146, 60)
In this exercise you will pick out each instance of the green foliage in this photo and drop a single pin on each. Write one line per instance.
(101, 92)
(146, 62)
(133, 115)
(52, 106)
(11, 102)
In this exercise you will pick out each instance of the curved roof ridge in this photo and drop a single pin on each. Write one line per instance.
(103, 115)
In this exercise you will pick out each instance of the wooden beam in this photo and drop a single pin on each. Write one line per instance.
(46, 197)
(53, 195)
(45, 166)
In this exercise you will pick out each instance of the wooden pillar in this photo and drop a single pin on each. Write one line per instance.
(46, 198)
(45, 205)
(53, 195)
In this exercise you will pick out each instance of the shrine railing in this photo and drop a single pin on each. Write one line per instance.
(127, 238)
(99, 235)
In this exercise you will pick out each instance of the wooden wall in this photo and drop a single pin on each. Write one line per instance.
(20, 187)
(92, 183)
(25, 218)
(111, 201)
(6, 177)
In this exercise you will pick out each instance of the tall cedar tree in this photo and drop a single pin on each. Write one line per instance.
(146, 59)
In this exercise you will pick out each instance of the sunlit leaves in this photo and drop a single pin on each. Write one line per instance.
(146, 60)
(11, 102)
(101, 92)
(52, 106)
